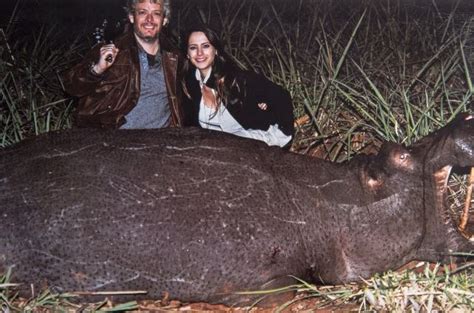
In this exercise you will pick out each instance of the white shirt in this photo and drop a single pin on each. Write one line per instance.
(222, 120)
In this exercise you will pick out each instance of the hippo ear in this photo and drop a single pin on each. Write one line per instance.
(396, 156)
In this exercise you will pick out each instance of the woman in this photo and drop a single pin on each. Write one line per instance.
(225, 98)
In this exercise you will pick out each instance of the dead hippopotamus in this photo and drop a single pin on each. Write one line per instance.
(202, 215)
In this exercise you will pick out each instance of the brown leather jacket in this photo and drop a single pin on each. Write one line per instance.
(105, 100)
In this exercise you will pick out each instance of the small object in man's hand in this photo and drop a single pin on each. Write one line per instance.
(263, 106)
(109, 58)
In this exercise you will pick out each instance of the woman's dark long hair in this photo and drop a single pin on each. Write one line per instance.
(224, 70)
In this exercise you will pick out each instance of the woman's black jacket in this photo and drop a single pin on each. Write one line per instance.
(255, 89)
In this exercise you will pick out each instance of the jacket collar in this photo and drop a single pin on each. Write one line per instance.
(209, 80)
(200, 79)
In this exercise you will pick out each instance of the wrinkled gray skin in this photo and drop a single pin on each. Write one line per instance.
(204, 214)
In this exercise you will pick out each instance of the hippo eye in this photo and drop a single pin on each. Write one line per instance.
(403, 156)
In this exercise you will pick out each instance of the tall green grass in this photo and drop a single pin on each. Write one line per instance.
(32, 100)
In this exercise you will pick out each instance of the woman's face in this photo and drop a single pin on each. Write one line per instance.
(201, 52)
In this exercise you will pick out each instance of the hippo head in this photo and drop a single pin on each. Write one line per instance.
(450, 147)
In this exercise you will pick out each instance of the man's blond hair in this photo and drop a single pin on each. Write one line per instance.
(130, 8)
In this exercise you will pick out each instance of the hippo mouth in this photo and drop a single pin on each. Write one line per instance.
(453, 183)
(454, 190)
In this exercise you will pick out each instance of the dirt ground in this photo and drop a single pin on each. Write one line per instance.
(302, 302)
(303, 305)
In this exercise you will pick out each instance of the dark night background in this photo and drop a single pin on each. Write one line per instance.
(80, 14)
(75, 14)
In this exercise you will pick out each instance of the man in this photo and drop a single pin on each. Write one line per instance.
(133, 82)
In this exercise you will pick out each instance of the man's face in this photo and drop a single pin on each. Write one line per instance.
(147, 20)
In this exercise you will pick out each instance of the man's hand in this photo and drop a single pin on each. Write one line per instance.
(108, 53)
